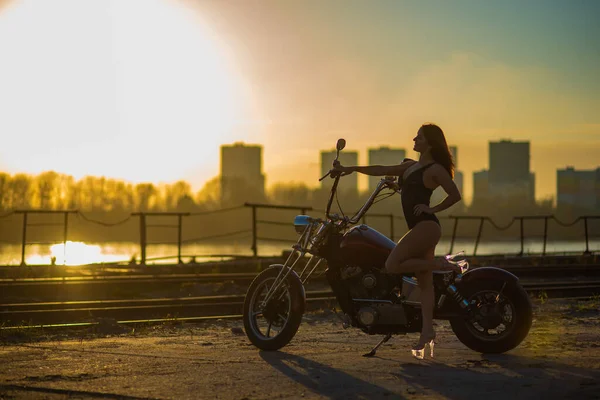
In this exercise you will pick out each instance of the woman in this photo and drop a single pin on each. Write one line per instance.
(414, 253)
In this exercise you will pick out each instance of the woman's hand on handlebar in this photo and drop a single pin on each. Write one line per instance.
(340, 169)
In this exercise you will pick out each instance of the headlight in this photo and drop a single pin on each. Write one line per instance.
(301, 222)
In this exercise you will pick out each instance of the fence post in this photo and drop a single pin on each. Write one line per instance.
(65, 237)
(545, 235)
(255, 206)
(142, 238)
(522, 237)
(481, 219)
(587, 244)
(392, 227)
(453, 234)
(254, 247)
(179, 229)
(24, 238)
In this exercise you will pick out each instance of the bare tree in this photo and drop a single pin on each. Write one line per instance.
(144, 193)
(21, 191)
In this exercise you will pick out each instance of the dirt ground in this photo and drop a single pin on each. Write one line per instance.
(560, 359)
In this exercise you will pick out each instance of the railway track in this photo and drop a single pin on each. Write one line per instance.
(206, 307)
(533, 271)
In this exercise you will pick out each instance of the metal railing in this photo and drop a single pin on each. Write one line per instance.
(144, 226)
(256, 237)
(26, 224)
(255, 221)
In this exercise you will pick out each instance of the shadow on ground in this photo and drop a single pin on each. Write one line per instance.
(499, 376)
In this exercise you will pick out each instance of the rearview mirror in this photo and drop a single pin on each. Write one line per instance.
(341, 143)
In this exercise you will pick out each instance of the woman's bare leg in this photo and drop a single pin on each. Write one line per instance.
(425, 281)
(413, 251)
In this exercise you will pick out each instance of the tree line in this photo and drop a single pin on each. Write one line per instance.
(54, 191)
(110, 199)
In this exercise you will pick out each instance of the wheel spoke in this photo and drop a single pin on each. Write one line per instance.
(268, 319)
(284, 292)
(491, 305)
(269, 328)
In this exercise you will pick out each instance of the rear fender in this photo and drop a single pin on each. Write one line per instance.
(488, 273)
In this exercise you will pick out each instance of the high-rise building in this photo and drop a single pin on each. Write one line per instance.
(454, 152)
(509, 161)
(241, 172)
(578, 190)
(509, 174)
(348, 183)
(480, 185)
(384, 156)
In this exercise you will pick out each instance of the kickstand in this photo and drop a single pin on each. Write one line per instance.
(372, 352)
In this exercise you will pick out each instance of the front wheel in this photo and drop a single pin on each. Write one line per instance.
(272, 325)
(501, 316)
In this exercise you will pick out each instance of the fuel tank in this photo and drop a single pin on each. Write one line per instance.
(365, 247)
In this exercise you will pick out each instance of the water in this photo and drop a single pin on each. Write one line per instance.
(77, 253)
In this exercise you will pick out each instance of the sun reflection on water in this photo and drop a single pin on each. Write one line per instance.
(75, 253)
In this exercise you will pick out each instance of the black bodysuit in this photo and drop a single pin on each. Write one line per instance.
(414, 192)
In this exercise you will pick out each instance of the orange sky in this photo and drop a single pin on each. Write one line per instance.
(148, 90)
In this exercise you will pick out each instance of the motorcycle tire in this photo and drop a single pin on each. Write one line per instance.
(466, 332)
(297, 301)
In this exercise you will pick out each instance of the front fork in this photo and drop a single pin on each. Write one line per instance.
(287, 268)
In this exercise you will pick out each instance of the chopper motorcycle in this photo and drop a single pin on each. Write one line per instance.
(488, 309)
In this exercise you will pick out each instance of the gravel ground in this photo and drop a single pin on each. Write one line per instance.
(559, 359)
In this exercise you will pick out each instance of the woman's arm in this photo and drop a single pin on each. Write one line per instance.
(442, 177)
(376, 170)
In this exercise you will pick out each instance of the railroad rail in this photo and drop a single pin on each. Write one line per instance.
(53, 313)
(534, 271)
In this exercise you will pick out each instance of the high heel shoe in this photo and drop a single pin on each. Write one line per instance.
(419, 350)
(454, 262)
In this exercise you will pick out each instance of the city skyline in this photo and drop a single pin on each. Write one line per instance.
(359, 181)
(147, 90)
(508, 183)
(509, 174)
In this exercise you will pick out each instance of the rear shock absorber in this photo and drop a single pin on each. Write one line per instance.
(455, 294)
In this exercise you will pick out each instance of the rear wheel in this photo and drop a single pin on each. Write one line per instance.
(501, 316)
(272, 325)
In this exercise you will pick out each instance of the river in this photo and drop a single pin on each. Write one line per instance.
(77, 253)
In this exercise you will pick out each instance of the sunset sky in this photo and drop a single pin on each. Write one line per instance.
(147, 90)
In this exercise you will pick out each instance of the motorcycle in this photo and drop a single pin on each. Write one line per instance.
(488, 309)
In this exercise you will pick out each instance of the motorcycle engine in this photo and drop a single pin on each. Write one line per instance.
(367, 316)
(381, 314)
(363, 283)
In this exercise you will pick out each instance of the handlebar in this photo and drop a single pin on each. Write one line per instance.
(387, 182)
(330, 173)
